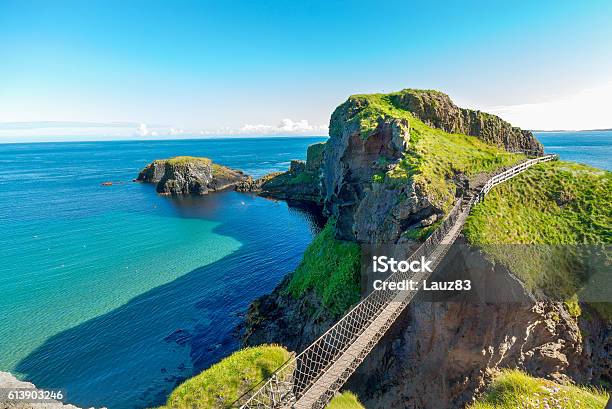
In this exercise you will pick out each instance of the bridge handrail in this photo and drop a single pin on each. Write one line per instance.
(290, 380)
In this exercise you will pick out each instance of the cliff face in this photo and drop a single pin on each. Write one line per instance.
(391, 168)
(395, 162)
(300, 183)
(438, 110)
(189, 176)
(440, 354)
(367, 211)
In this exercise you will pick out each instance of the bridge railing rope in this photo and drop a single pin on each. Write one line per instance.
(289, 383)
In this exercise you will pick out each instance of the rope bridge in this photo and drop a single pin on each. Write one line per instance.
(312, 378)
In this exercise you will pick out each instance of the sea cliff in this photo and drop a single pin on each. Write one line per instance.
(391, 170)
(301, 183)
(187, 175)
(393, 166)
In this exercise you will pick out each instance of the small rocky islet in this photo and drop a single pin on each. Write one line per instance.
(190, 175)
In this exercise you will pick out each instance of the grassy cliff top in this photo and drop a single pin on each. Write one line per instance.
(433, 156)
(515, 389)
(221, 384)
(185, 160)
(550, 203)
(542, 222)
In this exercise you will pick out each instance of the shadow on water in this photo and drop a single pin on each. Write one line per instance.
(134, 355)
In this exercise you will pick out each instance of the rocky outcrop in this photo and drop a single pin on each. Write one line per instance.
(278, 318)
(184, 175)
(371, 136)
(300, 183)
(367, 211)
(441, 351)
(438, 110)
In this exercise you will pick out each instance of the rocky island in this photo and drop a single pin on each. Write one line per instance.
(391, 170)
(188, 175)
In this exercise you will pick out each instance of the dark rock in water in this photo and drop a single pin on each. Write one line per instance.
(179, 336)
(278, 318)
(186, 175)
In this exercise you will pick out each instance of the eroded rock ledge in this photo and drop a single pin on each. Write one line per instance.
(302, 182)
(187, 175)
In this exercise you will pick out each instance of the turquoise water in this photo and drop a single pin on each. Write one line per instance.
(115, 294)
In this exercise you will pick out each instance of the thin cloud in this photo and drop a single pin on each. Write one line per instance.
(286, 126)
(587, 109)
(64, 124)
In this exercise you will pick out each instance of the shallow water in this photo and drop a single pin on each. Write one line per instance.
(105, 289)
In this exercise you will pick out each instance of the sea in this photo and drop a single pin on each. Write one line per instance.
(115, 294)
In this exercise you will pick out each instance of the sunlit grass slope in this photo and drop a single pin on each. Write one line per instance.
(514, 389)
(434, 156)
(552, 208)
(346, 400)
(223, 383)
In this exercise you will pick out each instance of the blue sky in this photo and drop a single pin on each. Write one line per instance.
(157, 68)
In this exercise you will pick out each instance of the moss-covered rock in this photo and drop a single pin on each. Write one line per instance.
(188, 175)
(394, 161)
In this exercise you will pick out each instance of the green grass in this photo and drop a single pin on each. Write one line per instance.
(280, 179)
(346, 400)
(223, 383)
(434, 156)
(314, 155)
(515, 389)
(555, 208)
(331, 268)
(184, 160)
(421, 233)
(303, 178)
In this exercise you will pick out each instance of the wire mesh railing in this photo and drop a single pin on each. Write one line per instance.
(293, 380)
